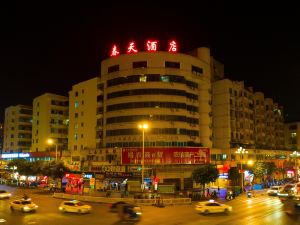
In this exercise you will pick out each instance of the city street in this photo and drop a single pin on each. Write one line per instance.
(261, 209)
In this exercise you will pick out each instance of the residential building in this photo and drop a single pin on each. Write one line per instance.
(50, 121)
(245, 118)
(17, 129)
(83, 121)
(292, 135)
(1, 137)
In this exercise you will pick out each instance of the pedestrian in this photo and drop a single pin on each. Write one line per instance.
(207, 193)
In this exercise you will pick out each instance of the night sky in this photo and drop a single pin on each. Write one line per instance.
(51, 48)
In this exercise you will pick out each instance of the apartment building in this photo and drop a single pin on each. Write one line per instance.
(83, 113)
(245, 118)
(50, 121)
(292, 135)
(17, 129)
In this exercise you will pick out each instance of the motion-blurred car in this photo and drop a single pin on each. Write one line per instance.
(212, 206)
(274, 190)
(4, 194)
(292, 205)
(114, 206)
(23, 205)
(74, 206)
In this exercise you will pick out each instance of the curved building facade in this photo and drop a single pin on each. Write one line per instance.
(171, 92)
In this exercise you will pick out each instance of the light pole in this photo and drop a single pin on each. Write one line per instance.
(295, 155)
(143, 127)
(51, 142)
(241, 151)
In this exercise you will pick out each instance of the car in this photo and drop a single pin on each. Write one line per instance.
(114, 206)
(292, 205)
(74, 206)
(212, 206)
(4, 194)
(23, 205)
(274, 190)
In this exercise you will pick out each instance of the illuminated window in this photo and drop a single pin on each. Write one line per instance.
(76, 136)
(165, 78)
(143, 78)
(76, 105)
(76, 126)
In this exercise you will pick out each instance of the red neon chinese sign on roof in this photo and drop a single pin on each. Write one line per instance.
(151, 46)
(173, 46)
(114, 51)
(131, 48)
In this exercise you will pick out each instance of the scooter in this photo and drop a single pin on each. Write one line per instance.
(249, 194)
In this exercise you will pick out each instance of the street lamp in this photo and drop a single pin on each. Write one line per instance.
(143, 127)
(241, 151)
(51, 142)
(295, 155)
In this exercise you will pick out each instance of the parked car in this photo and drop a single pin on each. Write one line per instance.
(74, 206)
(274, 190)
(4, 194)
(212, 206)
(23, 205)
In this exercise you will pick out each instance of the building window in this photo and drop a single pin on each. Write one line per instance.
(38, 104)
(197, 70)
(81, 147)
(81, 135)
(82, 91)
(76, 115)
(12, 128)
(76, 136)
(169, 64)
(38, 113)
(37, 122)
(76, 126)
(12, 136)
(76, 94)
(114, 68)
(12, 120)
(82, 102)
(81, 124)
(76, 105)
(143, 78)
(139, 64)
(75, 147)
(37, 141)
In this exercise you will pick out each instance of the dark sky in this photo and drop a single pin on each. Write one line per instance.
(50, 48)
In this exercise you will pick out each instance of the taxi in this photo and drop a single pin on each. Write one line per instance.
(74, 206)
(212, 206)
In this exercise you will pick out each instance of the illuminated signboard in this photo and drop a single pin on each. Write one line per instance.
(151, 46)
(15, 155)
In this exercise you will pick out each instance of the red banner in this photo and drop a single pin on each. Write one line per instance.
(189, 155)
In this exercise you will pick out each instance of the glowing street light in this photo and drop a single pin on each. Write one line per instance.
(143, 127)
(295, 155)
(51, 142)
(241, 151)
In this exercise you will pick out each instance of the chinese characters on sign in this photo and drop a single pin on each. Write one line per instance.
(166, 156)
(131, 48)
(151, 46)
(114, 51)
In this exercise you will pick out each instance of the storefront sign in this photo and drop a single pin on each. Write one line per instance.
(153, 156)
(15, 155)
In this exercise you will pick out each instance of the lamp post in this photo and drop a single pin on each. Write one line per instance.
(295, 155)
(143, 127)
(51, 142)
(241, 151)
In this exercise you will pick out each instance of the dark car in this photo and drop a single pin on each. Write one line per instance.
(292, 205)
(114, 206)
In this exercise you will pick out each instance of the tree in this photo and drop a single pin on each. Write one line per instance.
(22, 166)
(234, 175)
(270, 169)
(204, 175)
(259, 169)
(55, 169)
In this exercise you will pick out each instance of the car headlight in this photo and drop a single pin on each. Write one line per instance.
(26, 207)
(60, 208)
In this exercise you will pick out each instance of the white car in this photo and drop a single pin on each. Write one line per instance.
(74, 206)
(274, 190)
(212, 206)
(23, 205)
(4, 194)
